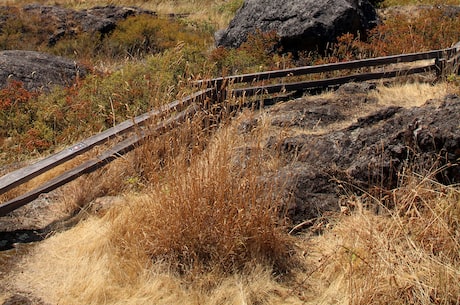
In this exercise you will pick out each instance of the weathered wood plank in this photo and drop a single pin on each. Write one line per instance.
(95, 163)
(323, 83)
(453, 64)
(355, 64)
(25, 174)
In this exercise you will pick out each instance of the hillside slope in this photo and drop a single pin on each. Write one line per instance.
(113, 255)
(350, 196)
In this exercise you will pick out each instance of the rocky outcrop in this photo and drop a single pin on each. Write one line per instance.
(300, 24)
(57, 22)
(64, 21)
(42, 71)
(366, 156)
(38, 71)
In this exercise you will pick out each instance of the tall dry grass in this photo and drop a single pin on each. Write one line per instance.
(201, 227)
(207, 222)
(210, 216)
(408, 255)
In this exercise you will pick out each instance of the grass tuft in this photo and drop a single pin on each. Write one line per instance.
(209, 214)
(408, 255)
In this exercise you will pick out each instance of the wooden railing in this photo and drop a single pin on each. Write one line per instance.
(184, 107)
(442, 62)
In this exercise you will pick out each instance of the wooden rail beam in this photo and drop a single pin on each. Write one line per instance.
(323, 83)
(355, 64)
(91, 165)
(25, 174)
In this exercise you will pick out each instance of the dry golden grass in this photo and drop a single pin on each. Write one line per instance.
(409, 255)
(208, 231)
(87, 270)
(409, 94)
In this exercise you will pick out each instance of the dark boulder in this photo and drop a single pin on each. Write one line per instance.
(38, 71)
(365, 156)
(371, 155)
(300, 24)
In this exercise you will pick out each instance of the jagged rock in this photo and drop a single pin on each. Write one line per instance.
(368, 155)
(300, 24)
(314, 112)
(38, 70)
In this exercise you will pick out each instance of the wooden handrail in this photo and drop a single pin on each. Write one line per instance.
(354, 64)
(25, 174)
(91, 165)
(323, 83)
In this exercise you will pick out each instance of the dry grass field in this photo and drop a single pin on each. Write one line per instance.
(193, 224)
(216, 12)
(205, 231)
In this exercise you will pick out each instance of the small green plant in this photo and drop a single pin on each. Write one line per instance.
(453, 83)
(230, 7)
(376, 3)
(259, 52)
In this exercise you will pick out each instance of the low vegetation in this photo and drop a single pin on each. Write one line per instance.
(408, 255)
(197, 225)
(146, 61)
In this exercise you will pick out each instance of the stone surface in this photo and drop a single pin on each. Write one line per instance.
(43, 71)
(38, 70)
(367, 155)
(300, 24)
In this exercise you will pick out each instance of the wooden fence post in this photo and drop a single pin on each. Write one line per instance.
(440, 64)
(456, 59)
(449, 64)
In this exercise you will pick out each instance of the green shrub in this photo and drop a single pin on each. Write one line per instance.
(134, 37)
(376, 3)
(259, 52)
(229, 8)
(39, 122)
